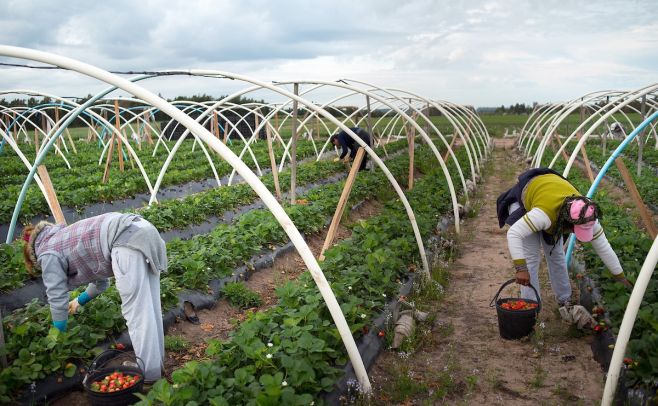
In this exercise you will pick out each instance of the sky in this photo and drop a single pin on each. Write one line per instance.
(480, 53)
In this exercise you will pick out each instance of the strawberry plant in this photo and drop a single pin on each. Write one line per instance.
(241, 296)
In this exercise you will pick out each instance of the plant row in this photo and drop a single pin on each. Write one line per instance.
(82, 184)
(179, 213)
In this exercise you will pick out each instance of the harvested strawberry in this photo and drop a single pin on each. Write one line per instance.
(516, 305)
(381, 333)
(115, 382)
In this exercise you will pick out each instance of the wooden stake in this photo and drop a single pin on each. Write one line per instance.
(117, 124)
(226, 132)
(635, 195)
(130, 158)
(590, 175)
(293, 149)
(559, 143)
(452, 142)
(215, 126)
(275, 170)
(342, 202)
(51, 197)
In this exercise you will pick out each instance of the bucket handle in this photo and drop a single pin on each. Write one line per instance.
(93, 367)
(495, 299)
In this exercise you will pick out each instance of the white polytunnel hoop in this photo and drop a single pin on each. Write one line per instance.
(406, 110)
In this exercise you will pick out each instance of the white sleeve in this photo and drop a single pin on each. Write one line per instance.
(532, 222)
(605, 251)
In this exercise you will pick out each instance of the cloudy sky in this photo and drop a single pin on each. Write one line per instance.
(484, 53)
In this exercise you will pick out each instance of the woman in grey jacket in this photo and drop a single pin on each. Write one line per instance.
(123, 246)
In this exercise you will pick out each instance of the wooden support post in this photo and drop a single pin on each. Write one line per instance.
(36, 141)
(215, 126)
(411, 163)
(342, 202)
(117, 124)
(130, 158)
(559, 143)
(226, 131)
(369, 117)
(275, 170)
(51, 197)
(276, 120)
(640, 136)
(588, 169)
(147, 130)
(452, 143)
(68, 134)
(293, 148)
(635, 195)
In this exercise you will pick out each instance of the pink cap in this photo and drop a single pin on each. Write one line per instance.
(584, 232)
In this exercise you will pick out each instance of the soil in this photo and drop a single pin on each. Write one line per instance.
(461, 358)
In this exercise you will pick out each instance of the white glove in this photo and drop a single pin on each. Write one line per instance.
(581, 317)
(74, 305)
(565, 312)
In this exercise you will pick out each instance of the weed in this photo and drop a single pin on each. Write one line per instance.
(241, 296)
(175, 343)
(539, 377)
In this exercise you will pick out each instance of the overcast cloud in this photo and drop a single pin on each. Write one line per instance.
(484, 53)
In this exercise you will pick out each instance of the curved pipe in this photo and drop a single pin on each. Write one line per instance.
(245, 172)
(627, 323)
(617, 152)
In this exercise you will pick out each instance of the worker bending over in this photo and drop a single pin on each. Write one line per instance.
(92, 250)
(348, 144)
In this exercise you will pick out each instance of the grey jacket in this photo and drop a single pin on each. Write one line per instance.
(116, 230)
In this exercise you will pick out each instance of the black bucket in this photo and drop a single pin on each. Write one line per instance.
(515, 324)
(97, 372)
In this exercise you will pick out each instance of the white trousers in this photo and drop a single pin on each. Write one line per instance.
(557, 265)
(140, 305)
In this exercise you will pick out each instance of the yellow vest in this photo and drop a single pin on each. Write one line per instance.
(547, 192)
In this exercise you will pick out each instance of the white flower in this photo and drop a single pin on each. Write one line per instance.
(363, 315)
(349, 288)
(270, 345)
(384, 294)
(268, 356)
(312, 403)
(284, 383)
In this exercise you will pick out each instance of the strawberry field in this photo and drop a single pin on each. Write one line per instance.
(256, 184)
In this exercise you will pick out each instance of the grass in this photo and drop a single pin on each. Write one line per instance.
(175, 343)
(538, 378)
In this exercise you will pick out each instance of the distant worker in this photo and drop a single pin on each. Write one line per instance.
(92, 250)
(617, 130)
(349, 145)
(540, 208)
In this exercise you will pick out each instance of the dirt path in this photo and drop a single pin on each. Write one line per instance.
(463, 360)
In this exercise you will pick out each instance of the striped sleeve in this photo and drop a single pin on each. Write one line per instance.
(533, 221)
(605, 251)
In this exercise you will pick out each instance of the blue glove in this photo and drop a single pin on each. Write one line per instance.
(84, 298)
(60, 325)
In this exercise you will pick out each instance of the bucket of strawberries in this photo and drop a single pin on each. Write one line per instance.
(113, 385)
(516, 316)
